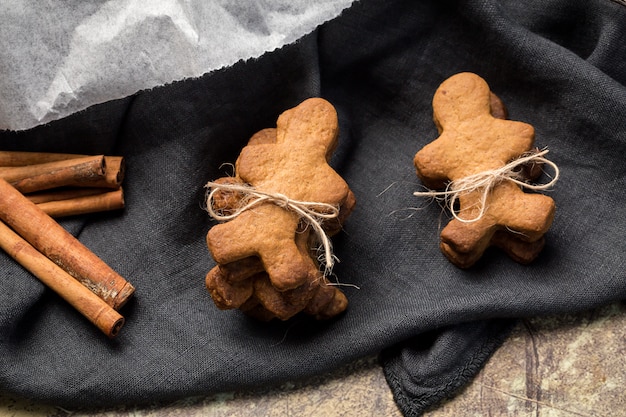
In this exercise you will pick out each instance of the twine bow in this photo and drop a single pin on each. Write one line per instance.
(313, 213)
(487, 180)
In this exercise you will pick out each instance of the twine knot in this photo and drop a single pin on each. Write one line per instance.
(312, 213)
(485, 181)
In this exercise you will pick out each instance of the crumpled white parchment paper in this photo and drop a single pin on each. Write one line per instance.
(60, 57)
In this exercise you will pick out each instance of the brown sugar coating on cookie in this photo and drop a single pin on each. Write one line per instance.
(265, 263)
(475, 138)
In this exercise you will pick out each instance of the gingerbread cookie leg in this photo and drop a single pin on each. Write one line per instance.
(227, 294)
(327, 302)
(519, 250)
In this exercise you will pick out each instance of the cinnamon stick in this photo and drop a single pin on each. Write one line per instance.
(20, 165)
(75, 172)
(49, 238)
(18, 158)
(114, 171)
(96, 310)
(64, 194)
(104, 201)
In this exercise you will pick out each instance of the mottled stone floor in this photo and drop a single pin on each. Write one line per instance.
(563, 366)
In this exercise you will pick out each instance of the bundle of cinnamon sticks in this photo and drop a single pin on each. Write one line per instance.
(34, 187)
(66, 184)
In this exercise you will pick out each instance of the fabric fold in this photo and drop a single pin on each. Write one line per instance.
(419, 371)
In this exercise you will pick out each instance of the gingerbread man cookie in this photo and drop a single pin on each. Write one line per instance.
(475, 140)
(264, 262)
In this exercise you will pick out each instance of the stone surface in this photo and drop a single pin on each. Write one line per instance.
(571, 365)
(560, 366)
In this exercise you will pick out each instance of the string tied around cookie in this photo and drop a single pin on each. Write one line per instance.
(484, 182)
(313, 213)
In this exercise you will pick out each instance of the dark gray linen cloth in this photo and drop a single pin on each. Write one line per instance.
(559, 65)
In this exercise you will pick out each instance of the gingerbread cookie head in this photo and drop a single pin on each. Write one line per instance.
(296, 163)
(471, 139)
(472, 156)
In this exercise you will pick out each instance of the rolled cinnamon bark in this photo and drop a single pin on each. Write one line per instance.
(87, 303)
(49, 238)
(104, 201)
(18, 159)
(74, 172)
(21, 165)
(64, 194)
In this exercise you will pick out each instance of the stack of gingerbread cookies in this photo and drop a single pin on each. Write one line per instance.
(476, 141)
(275, 213)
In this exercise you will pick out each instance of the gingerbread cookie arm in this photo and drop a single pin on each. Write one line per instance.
(242, 269)
(263, 136)
(334, 226)
(497, 107)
